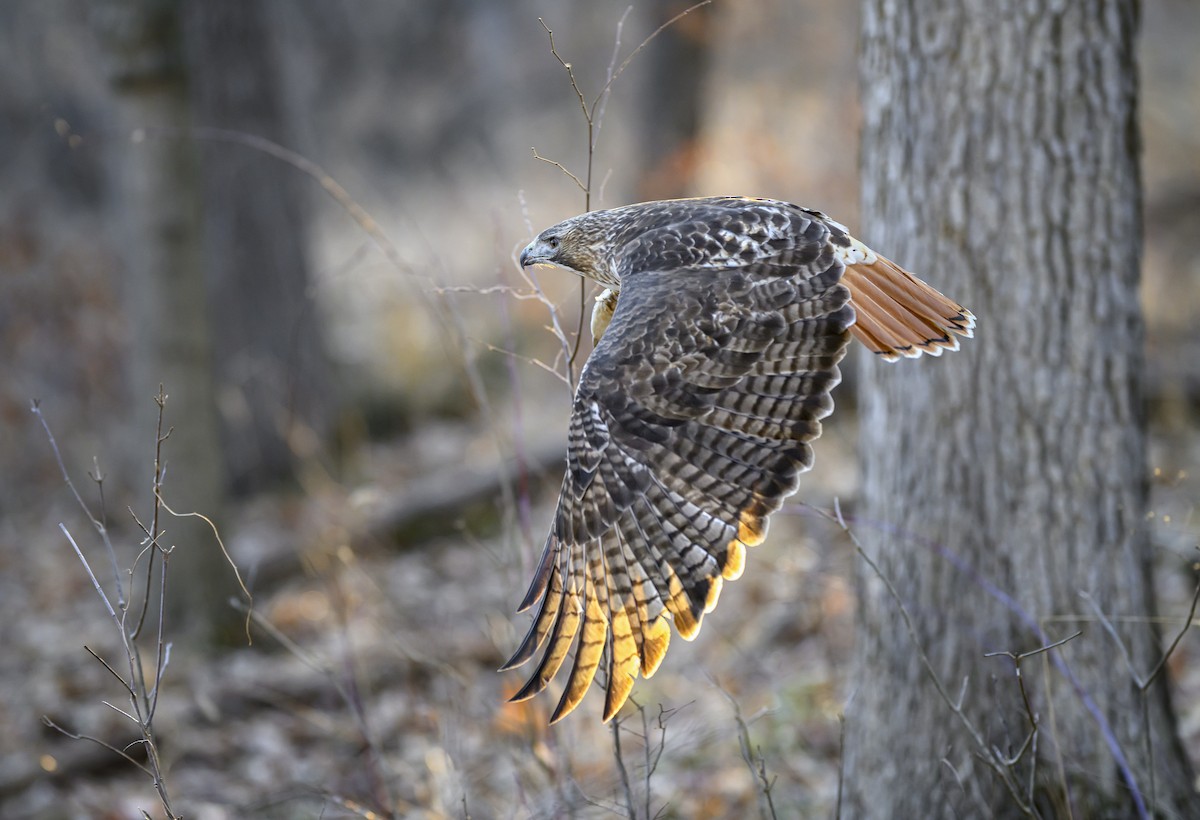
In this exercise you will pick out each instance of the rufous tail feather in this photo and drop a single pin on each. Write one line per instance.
(899, 315)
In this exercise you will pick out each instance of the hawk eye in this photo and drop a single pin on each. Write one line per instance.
(553, 243)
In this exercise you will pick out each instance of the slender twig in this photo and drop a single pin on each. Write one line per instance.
(143, 700)
(647, 763)
(291, 646)
(161, 647)
(1109, 628)
(36, 409)
(161, 401)
(609, 74)
(77, 736)
(345, 686)
(237, 574)
(578, 182)
(627, 787)
(1009, 603)
(1166, 656)
(585, 185)
(1031, 739)
(1144, 683)
(649, 39)
(593, 117)
(564, 340)
(755, 761)
(124, 683)
(841, 764)
(359, 214)
(1003, 772)
(88, 567)
(1017, 658)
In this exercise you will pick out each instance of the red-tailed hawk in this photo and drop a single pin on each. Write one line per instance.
(694, 414)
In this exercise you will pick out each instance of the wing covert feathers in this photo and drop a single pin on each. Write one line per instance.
(899, 315)
(694, 417)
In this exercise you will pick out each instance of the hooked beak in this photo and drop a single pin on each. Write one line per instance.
(537, 252)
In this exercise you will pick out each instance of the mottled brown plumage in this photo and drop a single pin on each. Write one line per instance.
(694, 414)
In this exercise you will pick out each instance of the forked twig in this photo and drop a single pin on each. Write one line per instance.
(626, 786)
(35, 407)
(754, 759)
(143, 700)
(1144, 683)
(593, 116)
(225, 552)
(1089, 703)
(985, 751)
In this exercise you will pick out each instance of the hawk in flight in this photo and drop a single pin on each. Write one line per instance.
(719, 336)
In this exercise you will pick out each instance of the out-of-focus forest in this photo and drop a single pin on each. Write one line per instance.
(379, 427)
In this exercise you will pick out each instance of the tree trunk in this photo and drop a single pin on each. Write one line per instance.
(1004, 482)
(158, 196)
(672, 101)
(272, 378)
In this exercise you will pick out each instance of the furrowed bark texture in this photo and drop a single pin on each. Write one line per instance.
(1003, 482)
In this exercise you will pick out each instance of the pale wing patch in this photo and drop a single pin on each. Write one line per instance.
(856, 253)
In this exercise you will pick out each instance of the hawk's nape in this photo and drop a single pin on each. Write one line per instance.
(694, 414)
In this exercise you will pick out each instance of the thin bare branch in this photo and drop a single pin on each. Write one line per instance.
(625, 64)
(1017, 658)
(76, 736)
(88, 567)
(1002, 771)
(1166, 656)
(570, 70)
(593, 113)
(841, 764)
(36, 408)
(1089, 703)
(754, 760)
(159, 470)
(123, 713)
(626, 786)
(1111, 629)
(578, 182)
(602, 97)
(228, 558)
(124, 683)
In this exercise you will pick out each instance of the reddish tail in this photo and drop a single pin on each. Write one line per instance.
(899, 315)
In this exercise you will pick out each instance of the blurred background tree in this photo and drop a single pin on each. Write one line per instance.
(216, 276)
(273, 383)
(672, 106)
(160, 219)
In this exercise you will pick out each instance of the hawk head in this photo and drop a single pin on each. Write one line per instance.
(576, 245)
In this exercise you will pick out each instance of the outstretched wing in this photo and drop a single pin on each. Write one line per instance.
(690, 425)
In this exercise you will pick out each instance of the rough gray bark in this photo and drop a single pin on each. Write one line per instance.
(273, 382)
(158, 208)
(1003, 482)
